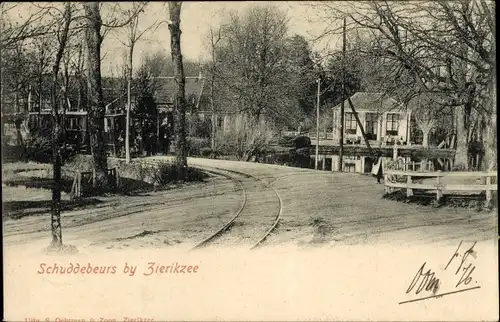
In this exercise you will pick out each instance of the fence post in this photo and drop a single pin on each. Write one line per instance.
(73, 189)
(386, 188)
(488, 191)
(439, 192)
(413, 165)
(117, 177)
(409, 191)
(78, 184)
(430, 165)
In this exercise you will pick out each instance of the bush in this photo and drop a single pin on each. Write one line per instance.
(38, 148)
(302, 142)
(195, 145)
(166, 173)
(287, 141)
(245, 138)
(209, 153)
(198, 127)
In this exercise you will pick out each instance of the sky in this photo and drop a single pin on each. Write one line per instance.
(196, 19)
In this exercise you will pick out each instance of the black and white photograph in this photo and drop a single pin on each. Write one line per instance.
(249, 161)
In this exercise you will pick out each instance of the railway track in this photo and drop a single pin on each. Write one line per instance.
(252, 194)
(227, 228)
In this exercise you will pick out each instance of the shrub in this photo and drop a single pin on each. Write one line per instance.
(198, 127)
(208, 153)
(38, 148)
(302, 142)
(195, 145)
(245, 138)
(287, 141)
(166, 173)
(138, 171)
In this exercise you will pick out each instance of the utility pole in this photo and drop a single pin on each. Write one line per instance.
(341, 152)
(317, 126)
(127, 120)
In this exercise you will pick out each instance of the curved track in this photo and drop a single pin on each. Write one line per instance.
(206, 241)
(239, 220)
(229, 224)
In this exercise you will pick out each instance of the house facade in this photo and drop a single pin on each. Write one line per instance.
(385, 122)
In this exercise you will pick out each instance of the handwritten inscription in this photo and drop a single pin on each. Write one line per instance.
(427, 281)
(463, 268)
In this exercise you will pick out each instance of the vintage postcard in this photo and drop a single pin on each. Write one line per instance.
(249, 161)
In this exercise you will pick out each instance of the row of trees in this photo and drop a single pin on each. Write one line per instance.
(50, 35)
(437, 57)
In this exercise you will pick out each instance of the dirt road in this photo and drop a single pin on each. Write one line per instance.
(320, 208)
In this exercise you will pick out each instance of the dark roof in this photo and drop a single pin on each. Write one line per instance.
(167, 87)
(115, 93)
(366, 101)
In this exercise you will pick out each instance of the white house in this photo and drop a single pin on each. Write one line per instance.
(385, 122)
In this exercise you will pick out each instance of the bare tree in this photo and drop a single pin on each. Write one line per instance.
(133, 36)
(253, 63)
(215, 35)
(180, 100)
(62, 32)
(432, 47)
(96, 109)
(425, 118)
(95, 30)
(31, 26)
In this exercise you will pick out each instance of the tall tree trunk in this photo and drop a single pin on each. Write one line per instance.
(56, 136)
(461, 154)
(425, 140)
(180, 100)
(490, 135)
(18, 120)
(96, 108)
(129, 103)
(213, 133)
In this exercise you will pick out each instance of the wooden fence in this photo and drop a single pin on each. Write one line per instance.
(84, 182)
(415, 166)
(483, 182)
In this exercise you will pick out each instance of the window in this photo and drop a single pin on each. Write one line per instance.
(220, 121)
(371, 126)
(392, 124)
(108, 125)
(350, 123)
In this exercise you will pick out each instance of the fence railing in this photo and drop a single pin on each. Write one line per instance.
(415, 166)
(405, 180)
(83, 182)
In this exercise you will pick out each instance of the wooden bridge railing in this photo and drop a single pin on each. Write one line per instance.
(439, 186)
